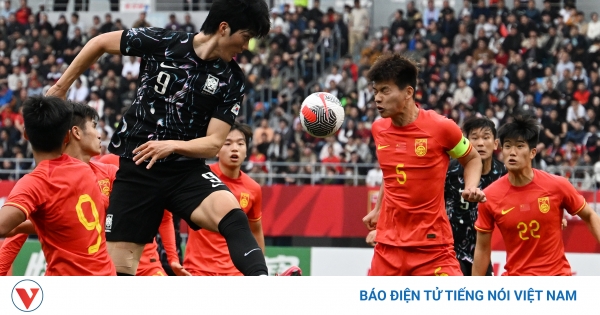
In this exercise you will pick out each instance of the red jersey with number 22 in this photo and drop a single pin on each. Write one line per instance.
(530, 220)
(414, 160)
(62, 199)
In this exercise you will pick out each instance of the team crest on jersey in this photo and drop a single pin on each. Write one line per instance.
(211, 84)
(104, 186)
(544, 204)
(421, 147)
(244, 199)
(236, 109)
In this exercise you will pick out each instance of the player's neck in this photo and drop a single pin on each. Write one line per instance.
(77, 153)
(233, 173)
(43, 156)
(205, 46)
(408, 116)
(522, 177)
(487, 166)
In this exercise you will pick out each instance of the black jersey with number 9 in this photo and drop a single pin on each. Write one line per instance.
(178, 92)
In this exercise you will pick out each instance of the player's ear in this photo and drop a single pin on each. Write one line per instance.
(532, 153)
(76, 132)
(409, 92)
(223, 27)
(496, 144)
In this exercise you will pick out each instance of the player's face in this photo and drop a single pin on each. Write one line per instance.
(233, 152)
(233, 44)
(483, 141)
(390, 100)
(517, 154)
(90, 141)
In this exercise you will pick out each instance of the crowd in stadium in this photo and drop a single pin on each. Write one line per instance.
(489, 59)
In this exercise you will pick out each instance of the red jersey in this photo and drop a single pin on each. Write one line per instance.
(530, 218)
(414, 160)
(62, 199)
(207, 251)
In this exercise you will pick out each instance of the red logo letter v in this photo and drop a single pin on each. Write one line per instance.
(25, 297)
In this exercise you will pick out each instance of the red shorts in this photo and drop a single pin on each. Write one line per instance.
(436, 260)
(209, 273)
(151, 270)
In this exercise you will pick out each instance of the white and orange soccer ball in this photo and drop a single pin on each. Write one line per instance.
(321, 114)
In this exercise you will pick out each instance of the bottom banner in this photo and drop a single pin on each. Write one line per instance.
(298, 295)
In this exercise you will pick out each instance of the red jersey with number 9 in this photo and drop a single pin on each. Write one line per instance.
(530, 220)
(414, 160)
(62, 199)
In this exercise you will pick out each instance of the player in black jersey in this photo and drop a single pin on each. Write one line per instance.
(481, 132)
(190, 93)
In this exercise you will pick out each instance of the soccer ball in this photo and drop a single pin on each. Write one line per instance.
(321, 114)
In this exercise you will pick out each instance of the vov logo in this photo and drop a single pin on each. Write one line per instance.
(27, 295)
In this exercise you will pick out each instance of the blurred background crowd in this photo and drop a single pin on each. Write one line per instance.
(488, 58)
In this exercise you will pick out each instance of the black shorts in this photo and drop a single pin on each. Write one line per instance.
(467, 267)
(139, 197)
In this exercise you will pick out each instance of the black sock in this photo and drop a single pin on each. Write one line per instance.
(247, 257)
(123, 274)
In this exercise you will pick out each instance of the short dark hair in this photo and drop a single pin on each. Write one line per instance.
(81, 113)
(474, 123)
(394, 67)
(47, 121)
(523, 127)
(244, 129)
(251, 15)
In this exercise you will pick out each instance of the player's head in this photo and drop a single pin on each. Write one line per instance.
(83, 129)
(234, 150)
(236, 22)
(519, 140)
(394, 80)
(47, 121)
(481, 132)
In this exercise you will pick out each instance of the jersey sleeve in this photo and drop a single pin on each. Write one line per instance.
(28, 193)
(451, 138)
(167, 234)
(485, 219)
(255, 214)
(143, 41)
(9, 250)
(229, 108)
(572, 201)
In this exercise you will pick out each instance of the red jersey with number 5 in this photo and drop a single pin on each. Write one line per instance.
(62, 199)
(530, 220)
(414, 159)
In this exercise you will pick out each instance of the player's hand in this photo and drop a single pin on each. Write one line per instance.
(56, 91)
(153, 151)
(370, 220)
(179, 270)
(371, 238)
(564, 223)
(473, 195)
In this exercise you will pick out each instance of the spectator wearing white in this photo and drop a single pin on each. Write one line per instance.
(358, 27)
(17, 79)
(431, 14)
(564, 63)
(374, 176)
(337, 148)
(18, 51)
(575, 112)
(96, 102)
(593, 30)
(131, 65)
(6, 10)
(463, 93)
(78, 92)
(499, 77)
(75, 23)
(334, 75)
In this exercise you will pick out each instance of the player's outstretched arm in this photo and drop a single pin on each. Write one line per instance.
(26, 228)
(591, 219)
(94, 49)
(473, 166)
(10, 218)
(9, 250)
(205, 147)
(483, 252)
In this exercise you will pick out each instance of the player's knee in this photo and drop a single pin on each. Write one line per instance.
(125, 256)
(234, 220)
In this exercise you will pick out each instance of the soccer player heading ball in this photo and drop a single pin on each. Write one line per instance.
(190, 93)
(413, 148)
(527, 206)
